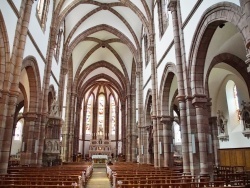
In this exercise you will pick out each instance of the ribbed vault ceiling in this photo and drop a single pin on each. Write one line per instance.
(103, 31)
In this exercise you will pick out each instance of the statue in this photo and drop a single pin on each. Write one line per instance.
(54, 108)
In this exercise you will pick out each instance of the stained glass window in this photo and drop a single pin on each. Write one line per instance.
(112, 115)
(101, 112)
(236, 101)
(89, 115)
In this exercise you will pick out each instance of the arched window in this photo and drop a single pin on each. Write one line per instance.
(42, 12)
(101, 112)
(236, 101)
(112, 115)
(89, 114)
(232, 102)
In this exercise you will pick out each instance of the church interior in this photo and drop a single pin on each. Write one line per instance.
(139, 86)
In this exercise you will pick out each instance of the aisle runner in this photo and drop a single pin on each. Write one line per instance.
(99, 179)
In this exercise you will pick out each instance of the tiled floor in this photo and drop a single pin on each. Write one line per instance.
(99, 179)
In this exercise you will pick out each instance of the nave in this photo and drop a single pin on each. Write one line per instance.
(120, 175)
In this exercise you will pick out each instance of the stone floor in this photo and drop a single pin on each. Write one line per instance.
(99, 178)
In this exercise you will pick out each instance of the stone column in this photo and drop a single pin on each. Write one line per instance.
(29, 156)
(139, 77)
(167, 141)
(7, 104)
(215, 140)
(172, 6)
(200, 102)
(154, 97)
(134, 129)
(63, 73)
(117, 122)
(84, 127)
(128, 130)
(71, 124)
(77, 127)
(193, 160)
(160, 143)
(123, 122)
(10, 91)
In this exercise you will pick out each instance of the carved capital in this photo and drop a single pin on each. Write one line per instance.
(181, 98)
(30, 116)
(172, 5)
(166, 120)
(199, 100)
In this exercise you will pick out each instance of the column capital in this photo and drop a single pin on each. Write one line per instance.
(31, 116)
(172, 5)
(199, 100)
(181, 98)
(166, 119)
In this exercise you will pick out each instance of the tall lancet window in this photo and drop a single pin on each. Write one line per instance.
(236, 101)
(89, 115)
(101, 114)
(112, 115)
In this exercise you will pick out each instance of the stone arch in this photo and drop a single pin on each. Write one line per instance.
(30, 64)
(234, 62)
(211, 19)
(4, 50)
(166, 82)
(117, 72)
(90, 82)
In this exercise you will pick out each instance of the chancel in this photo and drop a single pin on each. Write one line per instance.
(143, 88)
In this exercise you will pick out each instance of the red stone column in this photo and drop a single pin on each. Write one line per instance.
(117, 112)
(200, 102)
(172, 6)
(123, 122)
(141, 124)
(30, 136)
(160, 141)
(154, 97)
(215, 140)
(10, 90)
(71, 124)
(84, 127)
(168, 141)
(77, 127)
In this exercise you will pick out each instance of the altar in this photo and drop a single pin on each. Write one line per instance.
(99, 158)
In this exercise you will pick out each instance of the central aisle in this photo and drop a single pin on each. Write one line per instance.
(99, 178)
